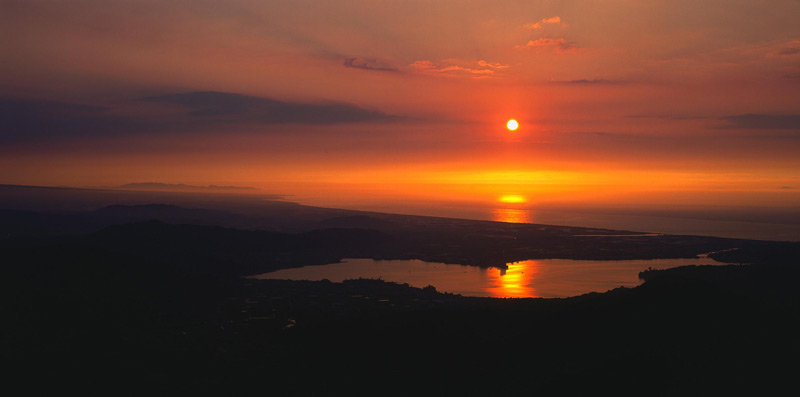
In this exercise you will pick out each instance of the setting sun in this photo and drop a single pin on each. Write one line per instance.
(512, 125)
(512, 199)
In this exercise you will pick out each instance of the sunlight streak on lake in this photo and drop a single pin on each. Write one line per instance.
(518, 281)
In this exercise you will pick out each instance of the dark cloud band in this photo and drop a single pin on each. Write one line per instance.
(764, 121)
(22, 120)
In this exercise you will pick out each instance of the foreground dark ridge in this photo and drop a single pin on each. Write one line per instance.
(137, 298)
(89, 318)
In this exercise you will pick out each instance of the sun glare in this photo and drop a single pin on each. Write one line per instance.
(512, 125)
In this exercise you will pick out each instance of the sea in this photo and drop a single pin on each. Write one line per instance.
(763, 223)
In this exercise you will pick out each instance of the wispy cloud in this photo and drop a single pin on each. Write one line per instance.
(369, 64)
(789, 48)
(588, 82)
(764, 121)
(666, 117)
(789, 51)
(492, 65)
(556, 21)
(480, 68)
(23, 120)
(560, 44)
(229, 107)
(549, 37)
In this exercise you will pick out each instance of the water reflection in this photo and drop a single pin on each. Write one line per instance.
(514, 282)
(511, 215)
(547, 278)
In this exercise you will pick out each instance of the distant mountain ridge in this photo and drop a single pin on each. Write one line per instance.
(158, 185)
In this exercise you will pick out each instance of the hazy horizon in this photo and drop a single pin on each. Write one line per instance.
(760, 223)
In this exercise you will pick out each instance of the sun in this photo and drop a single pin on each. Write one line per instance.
(512, 199)
(512, 125)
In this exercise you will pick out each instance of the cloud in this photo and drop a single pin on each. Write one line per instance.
(22, 120)
(666, 117)
(588, 82)
(560, 44)
(480, 68)
(545, 21)
(28, 120)
(789, 51)
(548, 41)
(764, 121)
(495, 65)
(788, 48)
(368, 64)
(237, 108)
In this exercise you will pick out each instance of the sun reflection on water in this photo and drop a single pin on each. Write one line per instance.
(511, 215)
(515, 282)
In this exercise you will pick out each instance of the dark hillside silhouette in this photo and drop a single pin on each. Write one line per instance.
(153, 297)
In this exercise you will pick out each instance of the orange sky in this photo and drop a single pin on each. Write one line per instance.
(626, 101)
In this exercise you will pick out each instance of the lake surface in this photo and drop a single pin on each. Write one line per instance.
(548, 278)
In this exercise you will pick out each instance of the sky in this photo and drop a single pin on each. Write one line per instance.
(626, 102)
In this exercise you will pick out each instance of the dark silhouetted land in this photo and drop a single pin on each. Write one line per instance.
(106, 290)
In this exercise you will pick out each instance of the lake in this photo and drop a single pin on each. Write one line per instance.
(548, 278)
